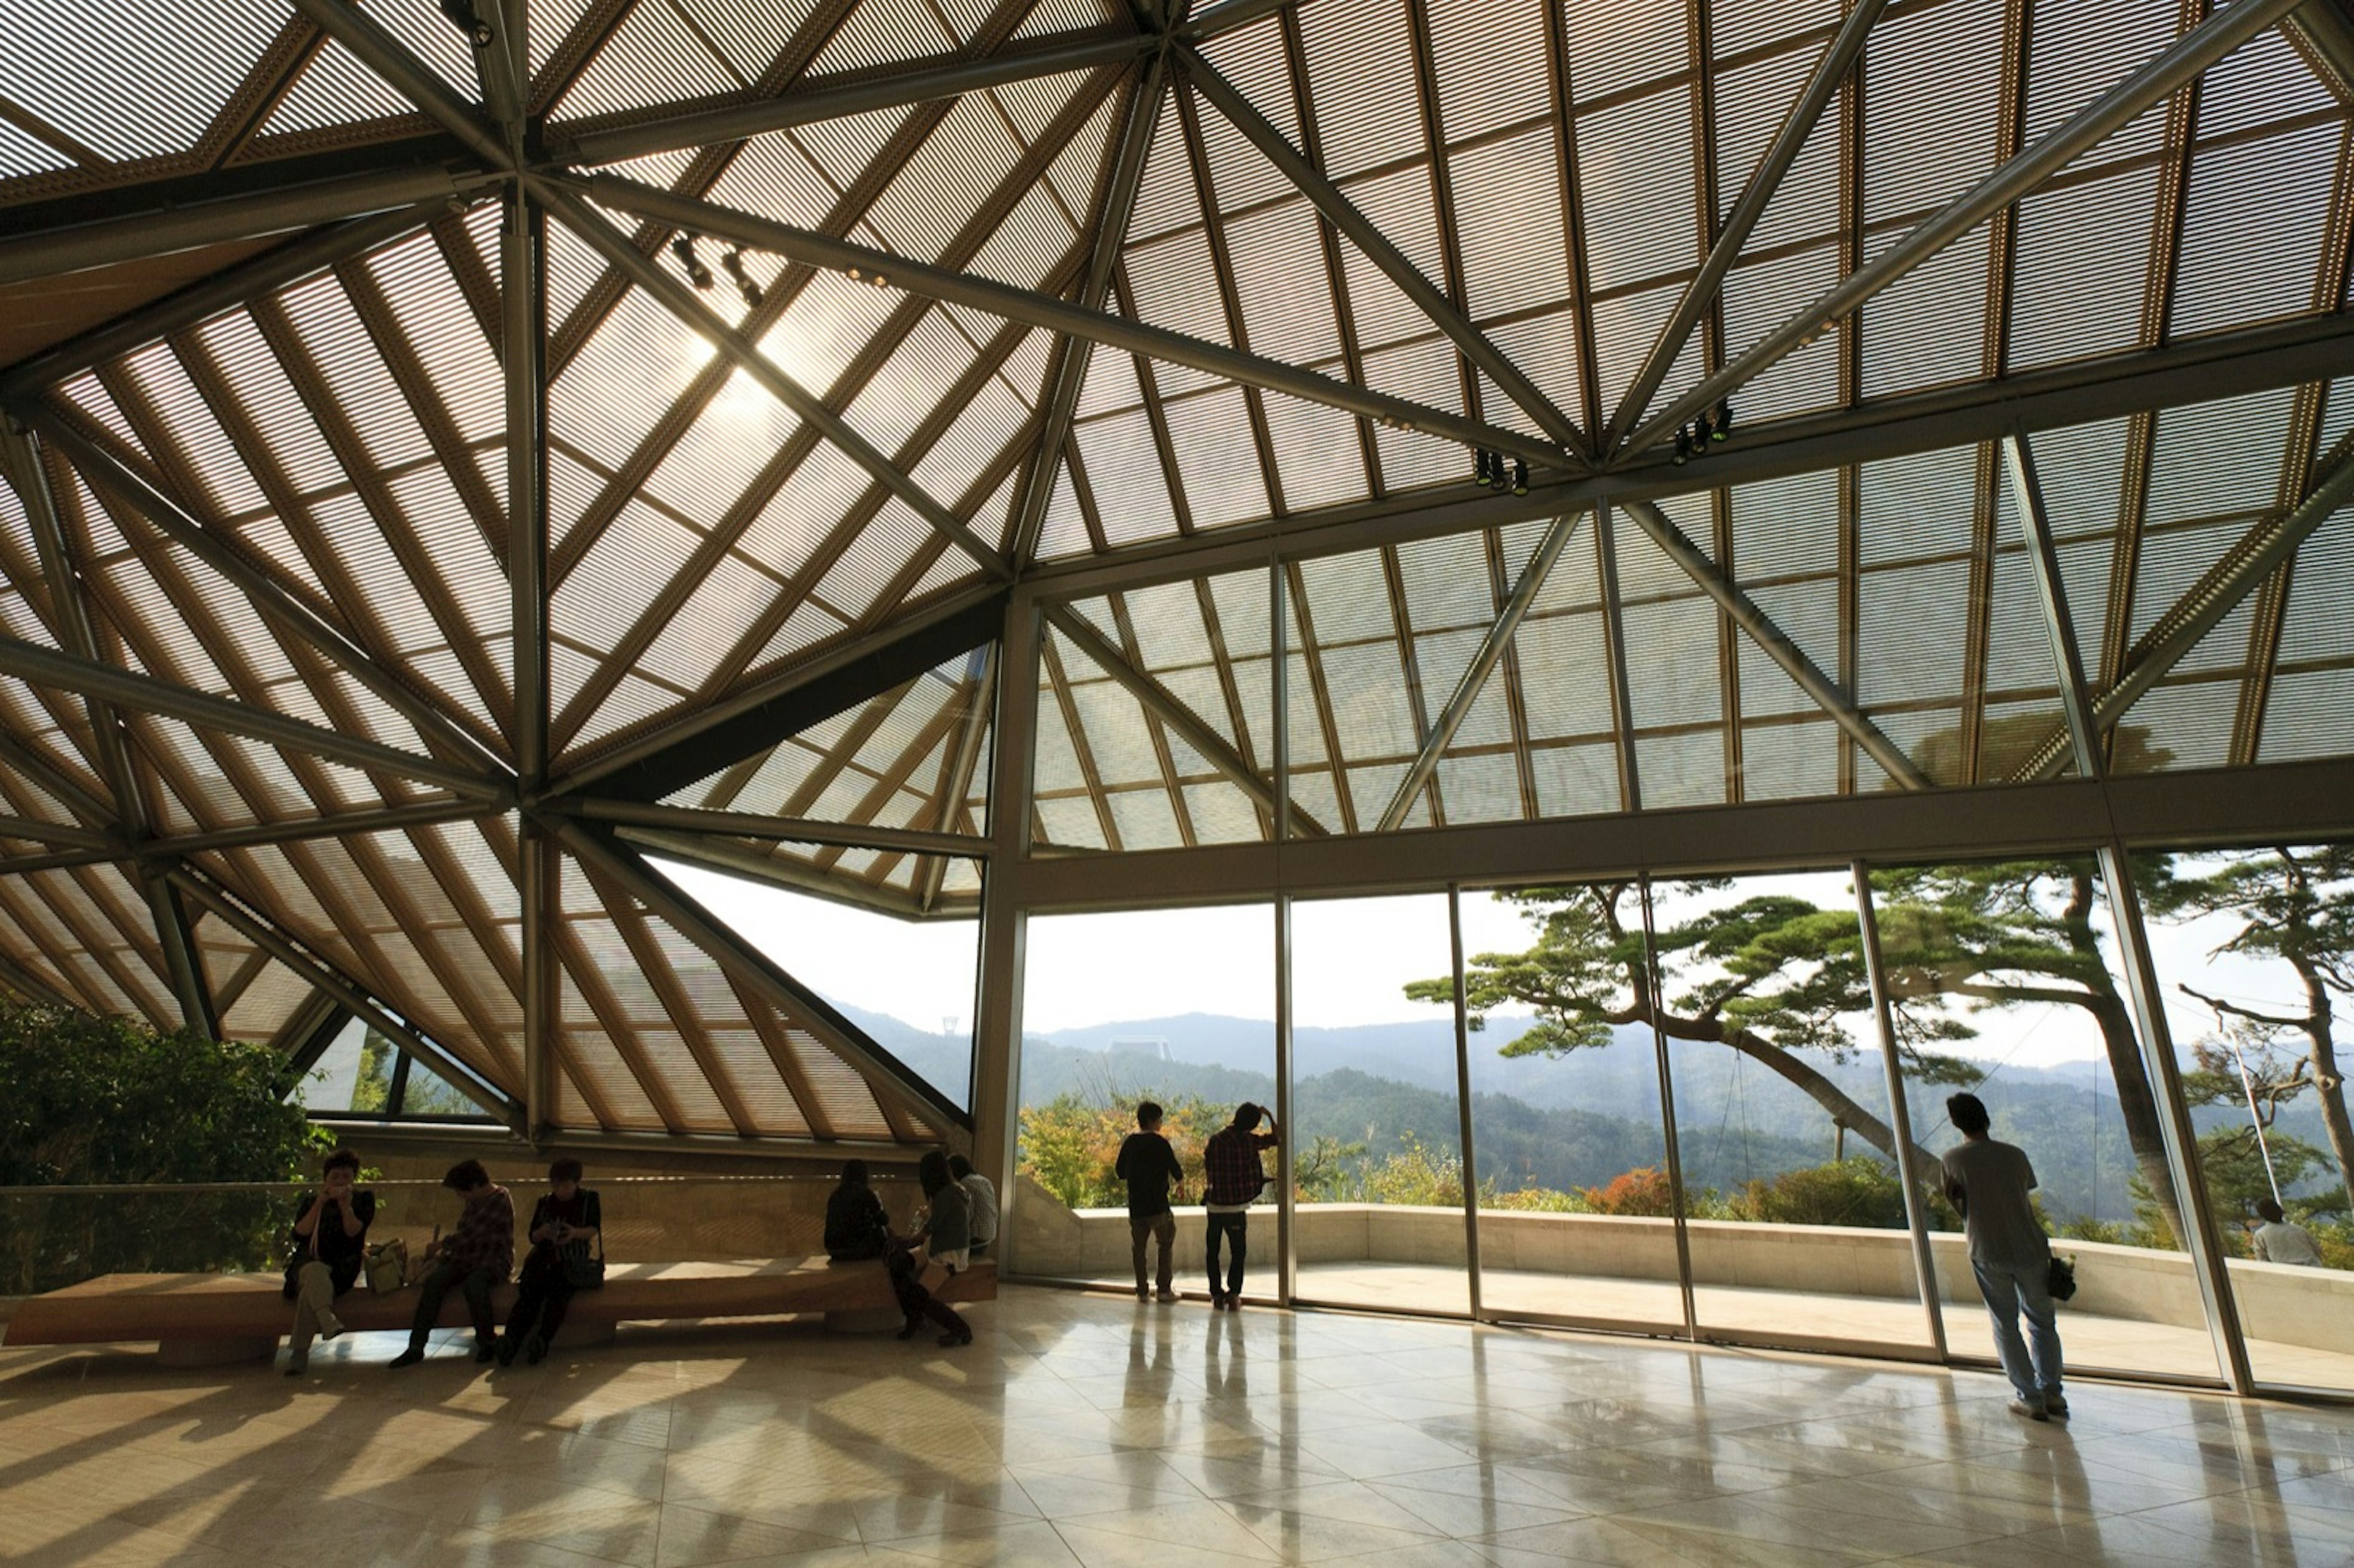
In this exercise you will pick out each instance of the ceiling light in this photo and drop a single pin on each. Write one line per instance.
(682, 247)
(1723, 426)
(469, 22)
(1520, 476)
(732, 262)
(1683, 446)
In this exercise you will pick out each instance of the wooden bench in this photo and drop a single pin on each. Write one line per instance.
(207, 1319)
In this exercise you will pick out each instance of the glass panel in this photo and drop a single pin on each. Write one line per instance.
(1175, 1006)
(908, 984)
(1379, 1153)
(352, 1074)
(1794, 1203)
(2007, 974)
(2255, 949)
(1575, 1205)
(424, 1092)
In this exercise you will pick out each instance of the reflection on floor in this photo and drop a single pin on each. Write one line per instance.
(1091, 1430)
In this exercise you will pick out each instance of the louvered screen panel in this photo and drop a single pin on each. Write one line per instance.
(1481, 788)
(1785, 527)
(162, 381)
(749, 37)
(2321, 595)
(1125, 477)
(1361, 78)
(1686, 769)
(1789, 761)
(2254, 229)
(1809, 614)
(1564, 676)
(2188, 724)
(1507, 195)
(842, 1097)
(653, 57)
(1929, 327)
(1147, 820)
(2082, 267)
(126, 88)
(1576, 780)
(1933, 103)
(1911, 625)
(2311, 713)
(1211, 436)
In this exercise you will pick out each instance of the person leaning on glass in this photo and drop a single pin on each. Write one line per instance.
(330, 1242)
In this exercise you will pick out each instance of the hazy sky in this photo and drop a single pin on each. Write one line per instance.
(1351, 960)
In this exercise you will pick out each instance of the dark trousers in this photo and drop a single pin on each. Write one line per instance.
(474, 1284)
(541, 1294)
(1234, 1230)
(917, 1303)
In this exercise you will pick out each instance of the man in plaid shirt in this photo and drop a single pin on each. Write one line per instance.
(1230, 1179)
(476, 1257)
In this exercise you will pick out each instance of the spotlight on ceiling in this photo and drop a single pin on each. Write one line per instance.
(1683, 446)
(469, 21)
(1700, 434)
(1520, 476)
(682, 247)
(1723, 426)
(1479, 467)
(733, 264)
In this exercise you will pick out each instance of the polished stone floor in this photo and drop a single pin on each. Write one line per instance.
(1087, 1429)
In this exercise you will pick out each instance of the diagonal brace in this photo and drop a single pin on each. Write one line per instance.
(1189, 725)
(1776, 644)
(1475, 674)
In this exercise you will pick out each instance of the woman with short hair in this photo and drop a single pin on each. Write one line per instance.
(330, 1245)
(565, 1226)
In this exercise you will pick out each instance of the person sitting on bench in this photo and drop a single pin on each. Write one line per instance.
(856, 1228)
(565, 1225)
(330, 1243)
(945, 1236)
(476, 1257)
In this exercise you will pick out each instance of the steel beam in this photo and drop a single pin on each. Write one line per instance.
(2281, 802)
(1475, 674)
(832, 97)
(334, 824)
(2324, 35)
(1918, 1183)
(267, 595)
(1001, 299)
(1776, 644)
(1831, 70)
(2309, 348)
(1226, 17)
(146, 694)
(893, 1085)
(2052, 595)
(958, 780)
(733, 858)
(2259, 552)
(52, 833)
(1378, 247)
(324, 977)
(378, 48)
(1004, 924)
(182, 961)
(1191, 726)
(1071, 371)
(793, 829)
(680, 301)
(167, 230)
(55, 781)
(2180, 63)
(288, 263)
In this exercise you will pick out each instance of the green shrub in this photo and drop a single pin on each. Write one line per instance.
(89, 1101)
(1858, 1190)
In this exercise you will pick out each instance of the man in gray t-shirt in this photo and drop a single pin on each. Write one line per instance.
(1989, 1183)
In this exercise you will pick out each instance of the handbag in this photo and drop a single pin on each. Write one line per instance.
(386, 1264)
(586, 1271)
(2063, 1283)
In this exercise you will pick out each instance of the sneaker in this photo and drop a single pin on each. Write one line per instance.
(911, 1327)
(1143, 1294)
(330, 1325)
(2031, 1408)
(960, 1335)
(408, 1357)
(484, 1351)
(535, 1351)
(297, 1367)
(1165, 1296)
(2055, 1406)
(508, 1346)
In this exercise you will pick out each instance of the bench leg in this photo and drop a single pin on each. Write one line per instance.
(215, 1352)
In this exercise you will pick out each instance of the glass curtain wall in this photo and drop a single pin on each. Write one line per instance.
(1574, 1206)
(1794, 1201)
(2005, 980)
(1171, 1006)
(1376, 1138)
(2254, 951)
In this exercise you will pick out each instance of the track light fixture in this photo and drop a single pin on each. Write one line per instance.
(1683, 446)
(1520, 476)
(1479, 470)
(1723, 424)
(1699, 434)
(469, 21)
(682, 247)
(733, 264)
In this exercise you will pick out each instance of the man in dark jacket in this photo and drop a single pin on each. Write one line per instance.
(1148, 1166)
(330, 1245)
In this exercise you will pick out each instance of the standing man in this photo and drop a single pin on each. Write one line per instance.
(978, 1188)
(1150, 1166)
(1232, 1180)
(476, 1257)
(1988, 1181)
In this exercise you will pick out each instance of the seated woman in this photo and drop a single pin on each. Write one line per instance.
(565, 1226)
(945, 1236)
(330, 1242)
(856, 1228)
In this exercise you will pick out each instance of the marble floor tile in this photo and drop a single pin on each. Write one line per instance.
(1079, 1432)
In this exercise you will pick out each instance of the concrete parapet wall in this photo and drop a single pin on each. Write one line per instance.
(2307, 1306)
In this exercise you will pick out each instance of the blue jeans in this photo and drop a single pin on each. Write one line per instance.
(2032, 1364)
